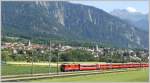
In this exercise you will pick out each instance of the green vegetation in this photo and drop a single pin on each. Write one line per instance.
(77, 55)
(74, 55)
(130, 76)
(13, 39)
(36, 56)
(8, 69)
(69, 42)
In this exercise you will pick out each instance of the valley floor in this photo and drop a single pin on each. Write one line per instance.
(130, 76)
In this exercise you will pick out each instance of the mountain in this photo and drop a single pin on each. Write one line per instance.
(135, 18)
(68, 21)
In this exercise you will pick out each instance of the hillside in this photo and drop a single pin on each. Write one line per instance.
(67, 21)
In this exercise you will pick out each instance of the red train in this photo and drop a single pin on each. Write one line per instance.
(81, 67)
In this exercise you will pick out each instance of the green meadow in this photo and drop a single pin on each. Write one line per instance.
(129, 76)
(15, 68)
(10, 69)
(141, 75)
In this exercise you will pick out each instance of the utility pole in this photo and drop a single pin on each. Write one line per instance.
(49, 58)
(97, 53)
(57, 62)
(58, 48)
(110, 58)
(31, 62)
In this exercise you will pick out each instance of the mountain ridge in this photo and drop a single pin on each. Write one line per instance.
(136, 18)
(68, 21)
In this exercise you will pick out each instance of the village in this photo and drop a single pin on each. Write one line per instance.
(134, 55)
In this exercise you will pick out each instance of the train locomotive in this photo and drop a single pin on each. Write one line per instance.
(86, 67)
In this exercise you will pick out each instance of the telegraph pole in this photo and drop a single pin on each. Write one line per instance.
(58, 48)
(32, 63)
(49, 58)
(97, 53)
(57, 62)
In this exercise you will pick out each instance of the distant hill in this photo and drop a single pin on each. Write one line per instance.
(68, 21)
(137, 19)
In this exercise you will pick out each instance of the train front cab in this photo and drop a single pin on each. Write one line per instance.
(62, 68)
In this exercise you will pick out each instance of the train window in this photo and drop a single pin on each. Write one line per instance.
(88, 65)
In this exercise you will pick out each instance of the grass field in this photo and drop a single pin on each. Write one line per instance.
(52, 63)
(14, 68)
(9, 69)
(130, 76)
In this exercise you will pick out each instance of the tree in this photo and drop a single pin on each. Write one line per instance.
(6, 55)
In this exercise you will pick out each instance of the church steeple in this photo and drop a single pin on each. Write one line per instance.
(29, 43)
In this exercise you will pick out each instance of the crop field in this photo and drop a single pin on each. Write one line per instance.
(129, 76)
(10, 69)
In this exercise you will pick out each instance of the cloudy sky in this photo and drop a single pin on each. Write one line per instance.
(133, 6)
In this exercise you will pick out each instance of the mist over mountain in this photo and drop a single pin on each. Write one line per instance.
(68, 21)
(135, 18)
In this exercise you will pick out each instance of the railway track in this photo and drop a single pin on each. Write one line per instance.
(54, 75)
(39, 74)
